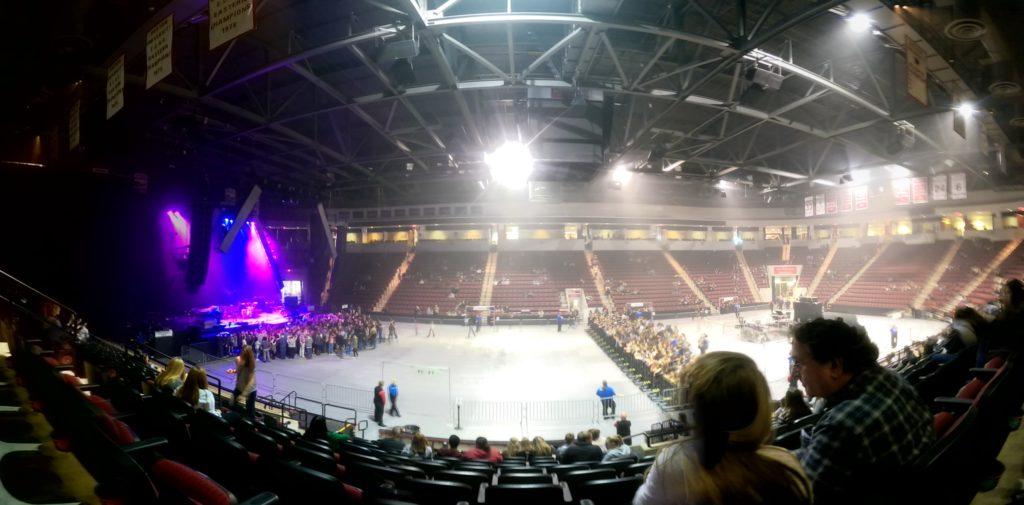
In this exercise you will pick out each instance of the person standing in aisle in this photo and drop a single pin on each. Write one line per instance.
(392, 332)
(559, 320)
(378, 403)
(702, 344)
(893, 333)
(607, 396)
(393, 395)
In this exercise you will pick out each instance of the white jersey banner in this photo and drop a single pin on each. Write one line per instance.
(115, 86)
(939, 187)
(229, 19)
(957, 186)
(159, 41)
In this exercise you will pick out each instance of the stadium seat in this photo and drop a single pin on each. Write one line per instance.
(521, 494)
(573, 479)
(524, 478)
(608, 491)
(438, 492)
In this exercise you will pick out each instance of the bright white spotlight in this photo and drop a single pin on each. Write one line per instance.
(723, 184)
(621, 175)
(859, 23)
(511, 164)
(965, 109)
(860, 176)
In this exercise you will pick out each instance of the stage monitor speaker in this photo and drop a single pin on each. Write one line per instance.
(240, 218)
(198, 258)
(326, 229)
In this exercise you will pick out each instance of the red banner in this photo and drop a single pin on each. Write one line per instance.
(901, 191)
(846, 200)
(860, 198)
(919, 189)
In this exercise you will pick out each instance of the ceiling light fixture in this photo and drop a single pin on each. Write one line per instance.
(510, 165)
(966, 109)
(621, 175)
(859, 23)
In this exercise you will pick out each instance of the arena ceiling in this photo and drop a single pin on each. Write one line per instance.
(315, 101)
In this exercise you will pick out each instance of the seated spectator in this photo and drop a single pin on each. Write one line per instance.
(582, 450)
(512, 449)
(452, 450)
(194, 392)
(394, 441)
(616, 450)
(560, 451)
(875, 424)
(483, 451)
(541, 447)
(728, 461)
(317, 430)
(595, 438)
(791, 408)
(172, 377)
(418, 448)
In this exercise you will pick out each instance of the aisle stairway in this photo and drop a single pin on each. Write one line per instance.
(681, 272)
(598, 276)
(488, 287)
(396, 279)
(859, 273)
(755, 293)
(822, 269)
(983, 275)
(933, 279)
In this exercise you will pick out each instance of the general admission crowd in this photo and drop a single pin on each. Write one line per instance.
(343, 332)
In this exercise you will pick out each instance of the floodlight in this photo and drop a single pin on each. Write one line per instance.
(965, 109)
(621, 175)
(511, 164)
(859, 23)
(860, 175)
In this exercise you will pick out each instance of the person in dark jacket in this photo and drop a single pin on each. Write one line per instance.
(378, 404)
(394, 442)
(582, 450)
(623, 429)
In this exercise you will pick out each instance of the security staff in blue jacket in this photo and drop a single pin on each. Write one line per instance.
(607, 396)
(393, 394)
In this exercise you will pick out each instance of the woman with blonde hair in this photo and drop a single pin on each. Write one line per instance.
(418, 448)
(245, 380)
(171, 378)
(194, 392)
(526, 448)
(728, 461)
(541, 447)
(512, 449)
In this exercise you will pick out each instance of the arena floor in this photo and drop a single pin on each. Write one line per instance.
(513, 381)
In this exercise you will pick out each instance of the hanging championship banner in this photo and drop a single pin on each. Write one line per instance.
(831, 203)
(819, 205)
(917, 71)
(957, 186)
(919, 190)
(901, 191)
(846, 200)
(73, 125)
(229, 19)
(939, 187)
(808, 206)
(115, 86)
(159, 41)
(860, 198)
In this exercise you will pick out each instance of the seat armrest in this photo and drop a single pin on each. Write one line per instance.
(264, 498)
(952, 404)
(982, 373)
(586, 501)
(142, 445)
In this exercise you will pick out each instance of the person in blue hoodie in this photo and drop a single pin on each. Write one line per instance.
(393, 395)
(607, 396)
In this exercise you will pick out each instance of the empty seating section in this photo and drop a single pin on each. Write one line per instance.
(896, 277)
(811, 260)
(846, 263)
(361, 278)
(534, 280)
(1012, 268)
(717, 274)
(645, 276)
(758, 261)
(445, 279)
(970, 259)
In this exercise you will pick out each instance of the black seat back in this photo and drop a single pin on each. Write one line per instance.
(439, 492)
(561, 470)
(574, 478)
(520, 494)
(473, 479)
(524, 478)
(608, 491)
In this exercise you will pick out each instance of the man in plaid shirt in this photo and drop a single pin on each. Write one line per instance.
(875, 424)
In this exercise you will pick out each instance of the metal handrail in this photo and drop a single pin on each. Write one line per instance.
(40, 293)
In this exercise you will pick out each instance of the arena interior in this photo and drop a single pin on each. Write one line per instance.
(486, 252)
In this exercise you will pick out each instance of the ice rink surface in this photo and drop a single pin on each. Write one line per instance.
(514, 381)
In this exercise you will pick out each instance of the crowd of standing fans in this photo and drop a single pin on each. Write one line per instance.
(342, 333)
